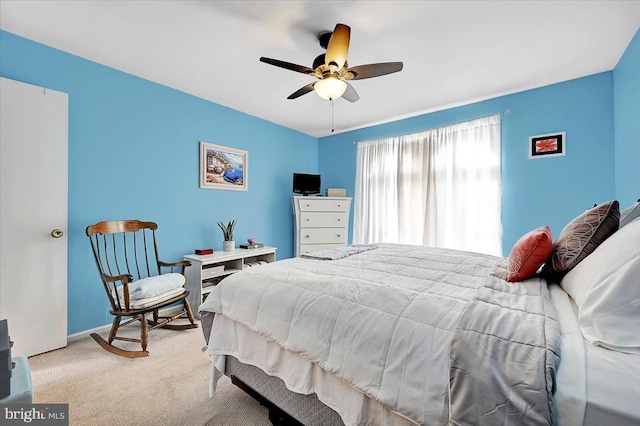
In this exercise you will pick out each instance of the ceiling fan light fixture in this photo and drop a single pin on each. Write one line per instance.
(332, 70)
(330, 88)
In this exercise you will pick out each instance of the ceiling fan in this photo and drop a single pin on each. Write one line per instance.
(332, 69)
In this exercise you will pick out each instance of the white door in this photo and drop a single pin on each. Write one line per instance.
(33, 205)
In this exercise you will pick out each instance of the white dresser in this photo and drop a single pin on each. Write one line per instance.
(321, 223)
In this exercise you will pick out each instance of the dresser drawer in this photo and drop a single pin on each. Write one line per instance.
(323, 236)
(322, 220)
(323, 205)
(311, 248)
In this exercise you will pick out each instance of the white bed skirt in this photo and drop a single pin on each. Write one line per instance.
(298, 374)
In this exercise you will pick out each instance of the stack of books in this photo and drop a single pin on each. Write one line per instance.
(251, 246)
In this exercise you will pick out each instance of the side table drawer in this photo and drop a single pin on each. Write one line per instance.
(322, 220)
(211, 272)
(323, 236)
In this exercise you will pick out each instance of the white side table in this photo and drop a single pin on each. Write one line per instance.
(208, 270)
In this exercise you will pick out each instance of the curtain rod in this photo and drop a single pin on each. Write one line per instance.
(503, 113)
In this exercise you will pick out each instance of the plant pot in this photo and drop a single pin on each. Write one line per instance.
(228, 245)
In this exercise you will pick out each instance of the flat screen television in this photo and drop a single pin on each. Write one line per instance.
(306, 184)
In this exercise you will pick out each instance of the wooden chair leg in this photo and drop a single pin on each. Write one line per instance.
(187, 307)
(114, 328)
(155, 315)
(144, 333)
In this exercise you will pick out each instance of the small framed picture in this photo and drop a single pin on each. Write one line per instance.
(550, 145)
(222, 167)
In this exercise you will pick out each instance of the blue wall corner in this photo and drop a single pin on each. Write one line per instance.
(626, 111)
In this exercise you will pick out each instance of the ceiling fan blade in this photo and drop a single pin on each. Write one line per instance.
(288, 65)
(302, 91)
(338, 47)
(361, 72)
(350, 94)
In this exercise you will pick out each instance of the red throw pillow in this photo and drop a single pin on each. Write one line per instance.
(529, 253)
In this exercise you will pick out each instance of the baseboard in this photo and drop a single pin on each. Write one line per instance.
(171, 310)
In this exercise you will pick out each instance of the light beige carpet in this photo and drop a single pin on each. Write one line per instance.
(169, 387)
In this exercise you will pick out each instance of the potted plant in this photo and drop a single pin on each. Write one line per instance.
(227, 232)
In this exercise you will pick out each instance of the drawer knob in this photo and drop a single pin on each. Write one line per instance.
(306, 236)
(307, 220)
(339, 205)
(338, 235)
(338, 219)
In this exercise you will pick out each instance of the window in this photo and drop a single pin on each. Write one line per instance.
(439, 188)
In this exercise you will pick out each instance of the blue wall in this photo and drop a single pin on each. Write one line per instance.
(626, 115)
(549, 191)
(134, 153)
(134, 149)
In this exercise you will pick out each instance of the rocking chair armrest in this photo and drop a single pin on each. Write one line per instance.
(174, 264)
(125, 278)
(183, 264)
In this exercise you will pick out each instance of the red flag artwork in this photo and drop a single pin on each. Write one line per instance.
(547, 145)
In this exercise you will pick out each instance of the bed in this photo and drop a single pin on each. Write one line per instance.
(392, 334)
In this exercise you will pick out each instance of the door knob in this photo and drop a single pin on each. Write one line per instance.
(57, 233)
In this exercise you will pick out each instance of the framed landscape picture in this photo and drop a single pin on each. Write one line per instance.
(222, 167)
(550, 145)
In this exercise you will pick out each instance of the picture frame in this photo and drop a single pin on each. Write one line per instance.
(222, 167)
(548, 145)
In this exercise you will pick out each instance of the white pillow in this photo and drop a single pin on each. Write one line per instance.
(153, 286)
(629, 214)
(143, 303)
(606, 287)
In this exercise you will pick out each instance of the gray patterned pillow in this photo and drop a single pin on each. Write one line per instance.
(581, 237)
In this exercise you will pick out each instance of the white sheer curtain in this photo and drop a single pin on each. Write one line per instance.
(438, 188)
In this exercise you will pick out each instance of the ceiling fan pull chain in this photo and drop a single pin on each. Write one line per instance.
(332, 126)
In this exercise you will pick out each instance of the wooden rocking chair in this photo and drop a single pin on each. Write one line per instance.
(126, 249)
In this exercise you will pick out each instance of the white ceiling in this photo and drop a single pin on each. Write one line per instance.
(454, 52)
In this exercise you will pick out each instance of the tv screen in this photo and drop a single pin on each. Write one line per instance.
(306, 184)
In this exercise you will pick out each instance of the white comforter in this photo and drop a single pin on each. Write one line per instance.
(385, 320)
